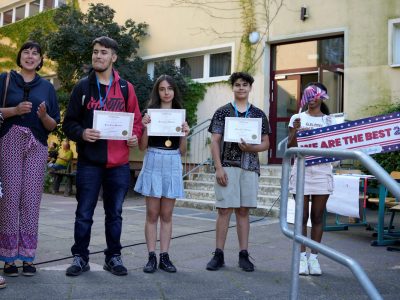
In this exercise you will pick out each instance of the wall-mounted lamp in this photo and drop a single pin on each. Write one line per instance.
(303, 13)
(254, 37)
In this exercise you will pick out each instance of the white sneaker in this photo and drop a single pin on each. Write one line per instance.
(314, 267)
(303, 270)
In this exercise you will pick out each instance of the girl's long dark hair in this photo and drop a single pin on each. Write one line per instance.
(155, 100)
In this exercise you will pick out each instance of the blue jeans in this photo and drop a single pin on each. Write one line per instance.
(115, 182)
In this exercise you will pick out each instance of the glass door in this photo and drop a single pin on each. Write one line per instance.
(286, 92)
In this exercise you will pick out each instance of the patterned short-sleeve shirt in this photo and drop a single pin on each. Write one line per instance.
(231, 155)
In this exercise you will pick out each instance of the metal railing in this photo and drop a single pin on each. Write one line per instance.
(198, 153)
(373, 167)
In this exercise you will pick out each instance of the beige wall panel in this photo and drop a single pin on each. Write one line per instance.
(176, 28)
(368, 78)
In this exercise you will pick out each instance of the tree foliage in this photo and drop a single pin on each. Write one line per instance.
(70, 47)
(389, 161)
(70, 44)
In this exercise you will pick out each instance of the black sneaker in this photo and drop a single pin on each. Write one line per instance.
(115, 266)
(244, 261)
(151, 265)
(10, 269)
(165, 264)
(217, 261)
(28, 269)
(78, 266)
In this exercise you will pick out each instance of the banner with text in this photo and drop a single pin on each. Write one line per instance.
(372, 135)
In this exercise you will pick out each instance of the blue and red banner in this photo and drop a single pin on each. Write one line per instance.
(371, 135)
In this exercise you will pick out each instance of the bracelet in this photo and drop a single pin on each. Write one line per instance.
(1, 118)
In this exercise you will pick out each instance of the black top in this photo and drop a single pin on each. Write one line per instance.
(159, 142)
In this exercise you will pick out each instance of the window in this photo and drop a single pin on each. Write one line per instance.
(48, 4)
(394, 43)
(206, 64)
(220, 64)
(7, 17)
(331, 51)
(159, 66)
(19, 13)
(34, 8)
(61, 2)
(193, 66)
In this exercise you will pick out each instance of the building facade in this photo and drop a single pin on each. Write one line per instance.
(353, 47)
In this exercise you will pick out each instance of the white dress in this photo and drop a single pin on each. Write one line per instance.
(318, 178)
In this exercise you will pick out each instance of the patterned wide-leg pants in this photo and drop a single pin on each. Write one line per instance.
(22, 170)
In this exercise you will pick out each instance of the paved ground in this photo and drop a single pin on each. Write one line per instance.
(269, 248)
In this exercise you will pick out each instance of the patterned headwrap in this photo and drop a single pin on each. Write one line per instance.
(313, 92)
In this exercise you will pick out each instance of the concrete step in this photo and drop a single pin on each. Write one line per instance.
(271, 170)
(210, 177)
(209, 186)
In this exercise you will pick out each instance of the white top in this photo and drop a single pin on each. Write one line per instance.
(310, 122)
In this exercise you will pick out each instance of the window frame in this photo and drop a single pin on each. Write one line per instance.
(205, 52)
(18, 4)
(392, 23)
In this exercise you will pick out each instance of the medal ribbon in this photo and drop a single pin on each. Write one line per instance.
(101, 100)
(236, 111)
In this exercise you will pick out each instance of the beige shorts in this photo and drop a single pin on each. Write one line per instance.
(241, 191)
(318, 180)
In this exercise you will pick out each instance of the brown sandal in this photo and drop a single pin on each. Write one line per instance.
(10, 269)
(28, 269)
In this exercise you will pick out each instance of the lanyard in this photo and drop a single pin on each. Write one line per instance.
(101, 100)
(236, 111)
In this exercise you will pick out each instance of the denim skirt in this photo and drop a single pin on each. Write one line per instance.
(161, 174)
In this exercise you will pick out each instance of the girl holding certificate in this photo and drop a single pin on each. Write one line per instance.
(318, 178)
(160, 179)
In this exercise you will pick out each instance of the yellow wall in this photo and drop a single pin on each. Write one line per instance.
(368, 78)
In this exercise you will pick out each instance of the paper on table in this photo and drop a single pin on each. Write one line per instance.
(345, 198)
(291, 209)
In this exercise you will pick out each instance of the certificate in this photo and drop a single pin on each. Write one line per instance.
(166, 122)
(248, 129)
(113, 125)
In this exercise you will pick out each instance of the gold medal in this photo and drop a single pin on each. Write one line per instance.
(168, 143)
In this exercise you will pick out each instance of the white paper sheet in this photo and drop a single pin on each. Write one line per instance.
(291, 211)
(345, 198)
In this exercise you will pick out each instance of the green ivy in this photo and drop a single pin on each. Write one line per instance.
(389, 161)
(194, 94)
(19, 33)
(246, 50)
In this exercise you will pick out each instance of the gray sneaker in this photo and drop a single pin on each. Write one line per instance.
(115, 266)
(78, 266)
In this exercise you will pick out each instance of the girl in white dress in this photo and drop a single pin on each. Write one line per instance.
(318, 183)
